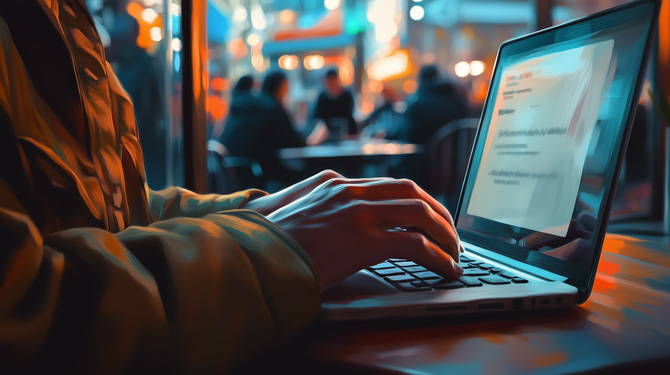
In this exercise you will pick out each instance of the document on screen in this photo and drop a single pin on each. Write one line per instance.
(544, 114)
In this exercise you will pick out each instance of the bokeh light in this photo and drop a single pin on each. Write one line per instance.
(409, 87)
(416, 13)
(156, 34)
(331, 4)
(477, 67)
(176, 44)
(149, 15)
(287, 17)
(253, 39)
(240, 14)
(258, 17)
(313, 62)
(462, 69)
(288, 62)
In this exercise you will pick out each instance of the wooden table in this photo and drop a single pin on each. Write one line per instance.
(624, 327)
(371, 156)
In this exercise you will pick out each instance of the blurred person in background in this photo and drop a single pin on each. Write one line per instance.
(258, 126)
(335, 106)
(137, 71)
(242, 93)
(243, 88)
(437, 102)
(385, 121)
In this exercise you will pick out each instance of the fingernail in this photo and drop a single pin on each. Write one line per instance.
(457, 268)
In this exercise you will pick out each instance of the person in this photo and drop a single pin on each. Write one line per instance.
(436, 103)
(98, 273)
(335, 106)
(241, 93)
(243, 88)
(385, 118)
(258, 126)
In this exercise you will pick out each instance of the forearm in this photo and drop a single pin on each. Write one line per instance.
(196, 295)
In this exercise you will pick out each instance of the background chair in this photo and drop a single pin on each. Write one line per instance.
(448, 156)
(227, 174)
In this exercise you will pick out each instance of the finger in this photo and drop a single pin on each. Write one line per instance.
(305, 186)
(387, 189)
(418, 248)
(415, 213)
(353, 181)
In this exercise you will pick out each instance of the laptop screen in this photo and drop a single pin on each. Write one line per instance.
(550, 139)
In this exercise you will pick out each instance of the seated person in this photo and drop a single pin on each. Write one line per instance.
(258, 126)
(98, 273)
(335, 106)
(436, 103)
(384, 121)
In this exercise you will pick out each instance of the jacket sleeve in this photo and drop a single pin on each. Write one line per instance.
(205, 286)
(195, 294)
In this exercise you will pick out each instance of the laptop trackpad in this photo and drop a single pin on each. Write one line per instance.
(357, 285)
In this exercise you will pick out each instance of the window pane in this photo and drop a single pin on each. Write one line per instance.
(139, 45)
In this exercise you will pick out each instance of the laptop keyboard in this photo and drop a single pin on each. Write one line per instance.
(411, 277)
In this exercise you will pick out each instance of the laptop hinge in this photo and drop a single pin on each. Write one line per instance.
(513, 263)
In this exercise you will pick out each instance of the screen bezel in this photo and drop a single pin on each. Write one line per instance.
(582, 279)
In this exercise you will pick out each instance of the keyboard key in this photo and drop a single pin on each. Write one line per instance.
(470, 281)
(508, 275)
(396, 260)
(466, 265)
(446, 284)
(518, 280)
(389, 271)
(399, 278)
(427, 275)
(405, 264)
(410, 287)
(497, 270)
(476, 263)
(381, 265)
(466, 259)
(495, 280)
(487, 267)
(414, 269)
(475, 272)
(420, 283)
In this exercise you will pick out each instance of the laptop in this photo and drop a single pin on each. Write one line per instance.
(542, 175)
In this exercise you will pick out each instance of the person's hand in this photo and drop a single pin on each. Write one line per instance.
(267, 204)
(346, 225)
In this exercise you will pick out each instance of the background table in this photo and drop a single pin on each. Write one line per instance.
(624, 328)
(362, 158)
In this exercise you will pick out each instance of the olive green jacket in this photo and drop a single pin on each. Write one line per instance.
(99, 274)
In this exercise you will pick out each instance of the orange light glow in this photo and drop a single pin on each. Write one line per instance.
(219, 84)
(409, 86)
(237, 48)
(346, 71)
(145, 40)
(664, 45)
(286, 17)
(395, 65)
(216, 107)
(289, 62)
(367, 107)
(376, 86)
